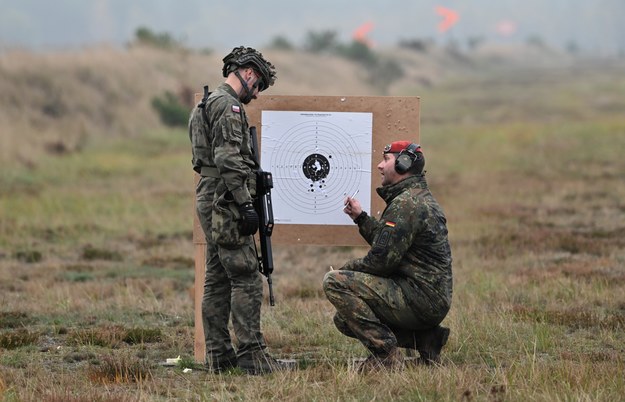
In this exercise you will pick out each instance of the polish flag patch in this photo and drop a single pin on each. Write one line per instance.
(236, 109)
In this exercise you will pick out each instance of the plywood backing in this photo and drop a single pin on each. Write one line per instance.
(394, 118)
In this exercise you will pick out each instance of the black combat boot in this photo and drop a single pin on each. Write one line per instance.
(429, 342)
(392, 360)
(260, 362)
(221, 365)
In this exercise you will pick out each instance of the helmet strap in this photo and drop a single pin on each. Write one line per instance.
(248, 94)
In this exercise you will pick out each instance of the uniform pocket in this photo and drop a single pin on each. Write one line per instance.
(239, 261)
(225, 230)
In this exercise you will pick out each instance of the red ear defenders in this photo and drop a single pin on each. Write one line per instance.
(407, 158)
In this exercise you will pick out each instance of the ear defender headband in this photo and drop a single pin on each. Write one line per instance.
(407, 158)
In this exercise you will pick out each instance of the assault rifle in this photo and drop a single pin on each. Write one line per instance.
(264, 208)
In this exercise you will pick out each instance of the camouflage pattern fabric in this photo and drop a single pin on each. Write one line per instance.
(233, 285)
(404, 283)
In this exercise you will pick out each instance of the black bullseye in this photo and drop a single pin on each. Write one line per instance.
(316, 167)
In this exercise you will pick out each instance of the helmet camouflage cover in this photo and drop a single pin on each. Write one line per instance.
(246, 56)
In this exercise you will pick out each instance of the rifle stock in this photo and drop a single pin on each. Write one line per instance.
(264, 208)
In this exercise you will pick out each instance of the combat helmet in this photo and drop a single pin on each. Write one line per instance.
(246, 56)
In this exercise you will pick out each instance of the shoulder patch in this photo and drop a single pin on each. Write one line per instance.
(236, 109)
(391, 224)
(381, 244)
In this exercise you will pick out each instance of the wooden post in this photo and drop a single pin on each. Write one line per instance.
(199, 244)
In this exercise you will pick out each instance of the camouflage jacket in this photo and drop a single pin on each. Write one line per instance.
(409, 243)
(224, 142)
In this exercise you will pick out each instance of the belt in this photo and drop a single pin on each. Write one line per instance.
(209, 171)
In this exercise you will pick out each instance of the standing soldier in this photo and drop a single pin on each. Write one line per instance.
(222, 155)
(398, 294)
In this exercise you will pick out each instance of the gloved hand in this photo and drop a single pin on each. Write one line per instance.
(249, 219)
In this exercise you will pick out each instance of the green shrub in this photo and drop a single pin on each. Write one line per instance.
(321, 42)
(170, 110)
(106, 336)
(384, 73)
(281, 43)
(14, 319)
(119, 370)
(29, 256)
(161, 40)
(18, 338)
(142, 335)
(90, 252)
(358, 52)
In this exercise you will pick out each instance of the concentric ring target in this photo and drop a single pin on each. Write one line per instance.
(315, 166)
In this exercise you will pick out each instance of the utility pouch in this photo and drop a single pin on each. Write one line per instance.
(225, 227)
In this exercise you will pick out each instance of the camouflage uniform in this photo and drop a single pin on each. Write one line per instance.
(404, 283)
(233, 283)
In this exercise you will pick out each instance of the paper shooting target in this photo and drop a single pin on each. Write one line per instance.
(316, 159)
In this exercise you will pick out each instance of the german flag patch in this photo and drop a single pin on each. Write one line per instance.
(391, 224)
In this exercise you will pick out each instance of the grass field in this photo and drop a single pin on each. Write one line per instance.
(96, 260)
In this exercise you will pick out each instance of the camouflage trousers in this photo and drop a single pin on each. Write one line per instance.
(373, 310)
(232, 287)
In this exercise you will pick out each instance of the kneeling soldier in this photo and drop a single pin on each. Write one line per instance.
(397, 295)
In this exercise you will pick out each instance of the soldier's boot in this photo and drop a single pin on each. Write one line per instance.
(392, 361)
(428, 343)
(220, 365)
(259, 362)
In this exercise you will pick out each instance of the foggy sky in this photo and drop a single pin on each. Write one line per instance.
(596, 26)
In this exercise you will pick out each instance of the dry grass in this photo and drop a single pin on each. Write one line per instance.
(96, 251)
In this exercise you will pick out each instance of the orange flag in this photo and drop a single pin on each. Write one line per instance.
(360, 34)
(450, 17)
